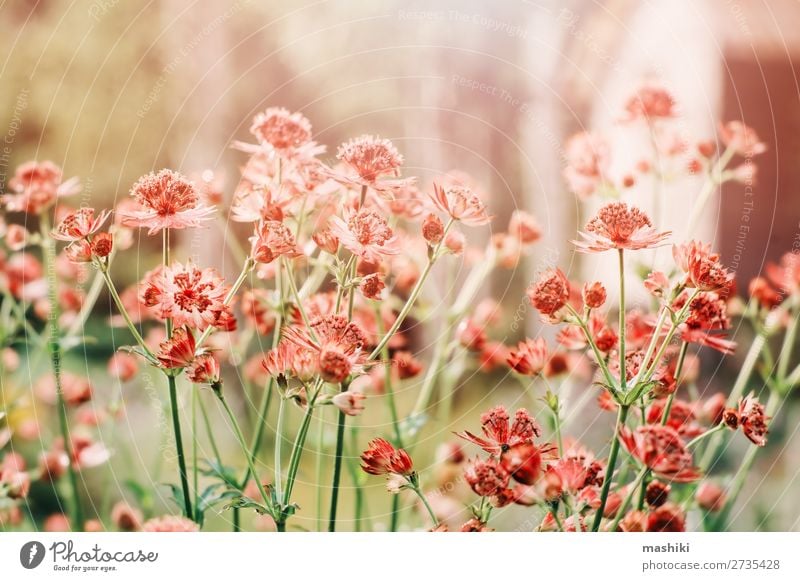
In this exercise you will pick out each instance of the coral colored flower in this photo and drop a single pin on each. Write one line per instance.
(594, 295)
(406, 364)
(524, 461)
(36, 186)
(349, 402)
(657, 284)
(710, 496)
(366, 234)
(178, 351)
(786, 274)
(167, 200)
(188, 295)
(588, 160)
(204, 369)
(550, 293)
(761, 290)
(661, 449)
(651, 101)
(281, 129)
(487, 477)
(372, 286)
(371, 158)
(170, 524)
(741, 138)
(461, 204)
(707, 316)
(753, 420)
(79, 225)
(336, 342)
(668, 518)
(432, 229)
(524, 227)
(123, 366)
(326, 241)
(125, 517)
(381, 457)
(530, 357)
(271, 241)
(619, 226)
(702, 267)
(501, 434)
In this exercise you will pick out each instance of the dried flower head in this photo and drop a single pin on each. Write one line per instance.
(501, 434)
(550, 293)
(661, 449)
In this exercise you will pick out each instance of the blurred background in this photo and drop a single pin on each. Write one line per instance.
(110, 90)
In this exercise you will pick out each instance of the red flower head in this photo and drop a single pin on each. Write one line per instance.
(36, 186)
(487, 477)
(550, 293)
(702, 267)
(501, 434)
(272, 240)
(461, 204)
(337, 344)
(662, 450)
(167, 200)
(650, 102)
(204, 369)
(381, 457)
(530, 357)
(281, 129)
(668, 518)
(178, 351)
(79, 225)
(786, 275)
(594, 295)
(619, 226)
(188, 296)
(371, 158)
(707, 315)
(432, 229)
(366, 234)
(753, 420)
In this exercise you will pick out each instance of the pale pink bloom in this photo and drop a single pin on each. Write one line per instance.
(710, 496)
(349, 402)
(588, 159)
(271, 241)
(530, 357)
(170, 524)
(252, 204)
(657, 284)
(524, 226)
(57, 523)
(432, 229)
(205, 369)
(189, 296)
(337, 344)
(210, 186)
(36, 186)
(86, 453)
(619, 226)
(79, 225)
(741, 138)
(167, 200)
(289, 359)
(652, 101)
(455, 242)
(461, 204)
(366, 234)
(16, 237)
(281, 129)
(371, 158)
(550, 293)
(702, 266)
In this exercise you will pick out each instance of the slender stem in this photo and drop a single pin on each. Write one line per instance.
(212, 440)
(176, 426)
(708, 433)
(337, 468)
(246, 270)
(418, 491)
(54, 348)
(601, 362)
(279, 444)
(622, 362)
(622, 415)
(297, 451)
(195, 473)
(640, 478)
(112, 290)
(553, 508)
(319, 467)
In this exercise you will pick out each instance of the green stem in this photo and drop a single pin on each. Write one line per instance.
(622, 415)
(337, 468)
(279, 444)
(176, 426)
(622, 361)
(418, 491)
(708, 433)
(640, 478)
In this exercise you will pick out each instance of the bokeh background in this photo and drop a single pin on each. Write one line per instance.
(111, 89)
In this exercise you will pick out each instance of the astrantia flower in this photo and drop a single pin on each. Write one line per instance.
(336, 342)
(753, 420)
(369, 159)
(707, 316)
(349, 402)
(550, 293)
(189, 296)
(741, 138)
(501, 434)
(79, 224)
(530, 357)
(461, 204)
(668, 518)
(178, 351)
(594, 295)
(366, 234)
(170, 524)
(524, 227)
(271, 241)
(619, 226)
(36, 186)
(710, 496)
(702, 267)
(588, 160)
(487, 477)
(786, 274)
(661, 449)
(167, 200)
(381, 457)
(281, 129)
(652, 101)
(204, 369)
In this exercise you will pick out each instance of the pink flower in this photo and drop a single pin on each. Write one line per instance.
(370, 159)
(271, 241)
(661, 449)
(618, 226)
(381, 457)
(707, 316)
(36, 186)
(588, 159)
(178, 351)
(461, 204)
(281, 129)
(205, 369)
(530, 357)
(336, 342)
(125, 517)
(170, 524)
(594, 295)
(753, 420)
(524, 227)
(550, 293)
(349, 402)
(366, 234)
(487, 477)
(710, 496)
(167, 200)
(501, 434)
(702, 267)
(432, 229)
(79, 225)
(189, 296)
(651, 101)
(741, 138)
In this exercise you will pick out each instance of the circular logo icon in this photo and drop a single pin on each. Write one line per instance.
(31, 554)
